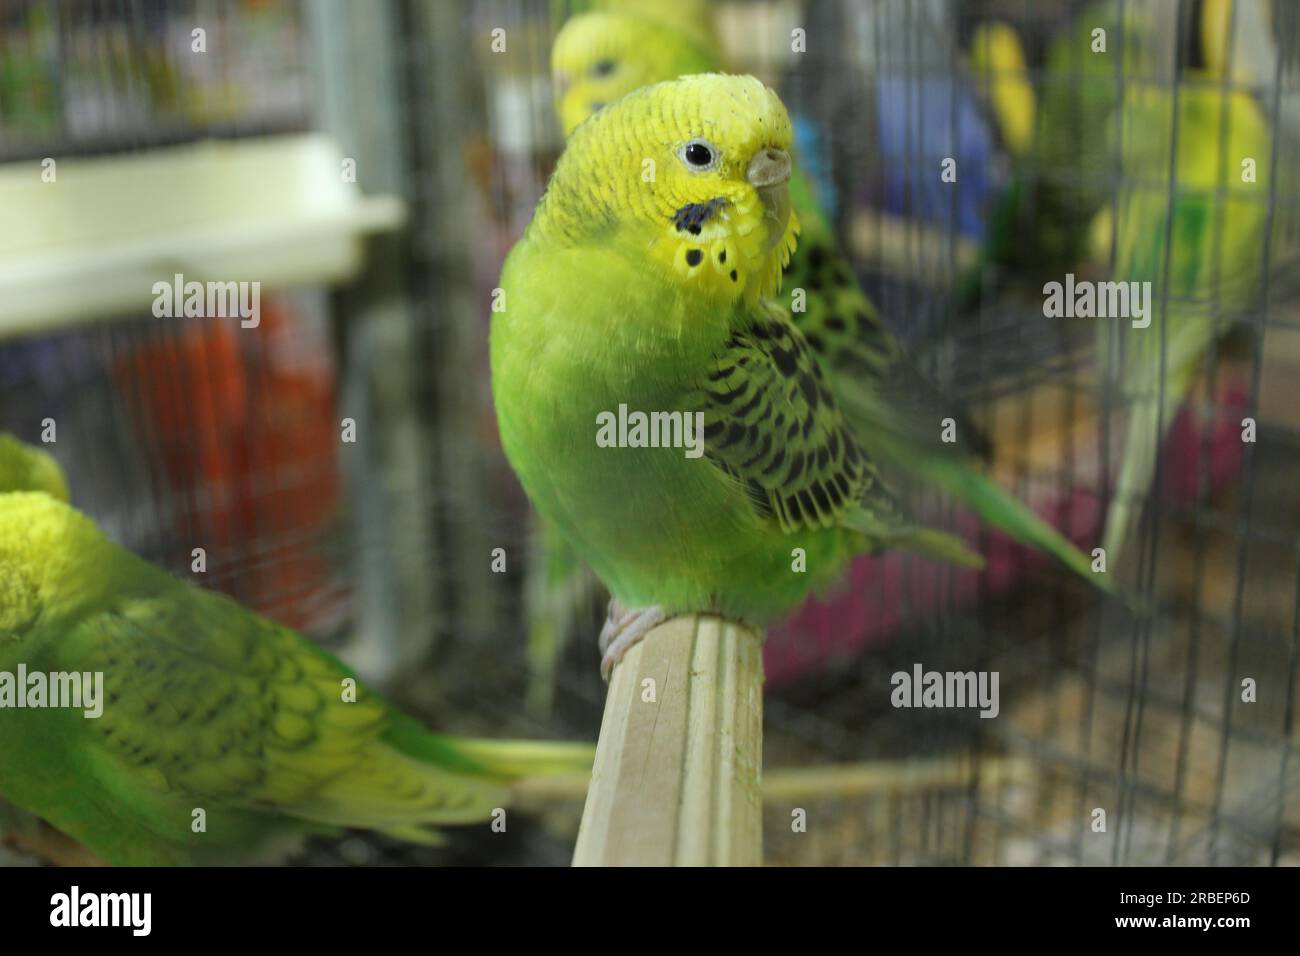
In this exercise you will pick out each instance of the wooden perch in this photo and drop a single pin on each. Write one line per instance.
(677, 775)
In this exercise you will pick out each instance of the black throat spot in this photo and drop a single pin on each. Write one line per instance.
(691, 218)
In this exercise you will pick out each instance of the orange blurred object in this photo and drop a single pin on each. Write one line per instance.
(244, 421)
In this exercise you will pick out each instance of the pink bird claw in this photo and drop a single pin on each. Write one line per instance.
(624, 628)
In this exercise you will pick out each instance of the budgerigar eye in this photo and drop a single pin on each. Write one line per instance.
(603, 68)
(699, 155)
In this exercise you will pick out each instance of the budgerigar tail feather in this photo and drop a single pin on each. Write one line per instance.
(1186, 339)
(1148, 422)
(939, 545)
(419, 835)
(398, 793)
(511, 759)
(501, 760)
(929, 542)
(1000, 509)
(1137, 465)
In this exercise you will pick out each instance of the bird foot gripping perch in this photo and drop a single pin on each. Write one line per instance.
(624, 627)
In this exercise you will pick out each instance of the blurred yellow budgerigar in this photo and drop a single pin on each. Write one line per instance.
(1200, 245)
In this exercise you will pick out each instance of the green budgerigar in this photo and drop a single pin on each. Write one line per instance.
(201, 732)
(894, 410)
(643, 286)
(1200, 247)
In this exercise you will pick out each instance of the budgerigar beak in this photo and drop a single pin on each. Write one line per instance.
(561, 81)
(769, 172)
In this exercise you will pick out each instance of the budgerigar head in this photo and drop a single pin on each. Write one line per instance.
(598, 57)
(695, 171)
(24, 468)
(33, 495)
(690, 18)
(39, 537)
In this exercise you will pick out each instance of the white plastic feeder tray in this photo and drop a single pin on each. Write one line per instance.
(92, 243)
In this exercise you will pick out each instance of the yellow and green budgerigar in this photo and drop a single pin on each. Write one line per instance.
(1202, 247)
(644, 284)
(598, 57)
(896, 410)
(221, 736)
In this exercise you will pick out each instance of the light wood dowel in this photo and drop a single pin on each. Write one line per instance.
(677, 775)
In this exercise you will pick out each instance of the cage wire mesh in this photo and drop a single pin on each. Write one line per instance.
(177, 431)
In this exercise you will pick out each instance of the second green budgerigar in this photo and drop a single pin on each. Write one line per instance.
(1200, 246)
(201, 732)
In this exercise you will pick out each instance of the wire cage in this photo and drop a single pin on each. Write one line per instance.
(195, 433)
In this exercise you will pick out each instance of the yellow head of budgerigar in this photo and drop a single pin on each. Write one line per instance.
(599, 57)
(38, 536)
(689, 18)
(695, 172)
